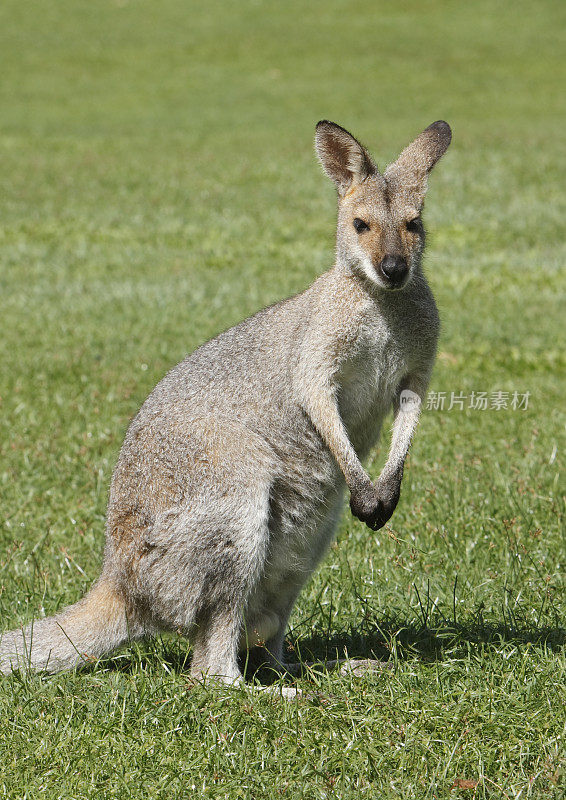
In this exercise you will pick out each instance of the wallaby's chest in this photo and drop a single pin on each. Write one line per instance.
(372, 369)
(384, 353)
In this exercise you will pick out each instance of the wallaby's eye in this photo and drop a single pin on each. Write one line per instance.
(414, 225)
(360, 225)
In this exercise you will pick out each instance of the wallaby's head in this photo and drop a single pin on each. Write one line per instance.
(380, 233)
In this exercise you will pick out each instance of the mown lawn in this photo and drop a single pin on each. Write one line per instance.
(158, 184)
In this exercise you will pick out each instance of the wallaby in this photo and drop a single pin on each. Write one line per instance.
(231, 478)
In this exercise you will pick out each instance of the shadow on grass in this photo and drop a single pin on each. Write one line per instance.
(430, 642)
(389, 640)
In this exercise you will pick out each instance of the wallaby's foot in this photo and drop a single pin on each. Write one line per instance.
(261, 657)
(222, 682)
(360, 666)
(345, 666)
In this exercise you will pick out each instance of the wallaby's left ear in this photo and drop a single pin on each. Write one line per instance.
(409, 172)
(342, 157)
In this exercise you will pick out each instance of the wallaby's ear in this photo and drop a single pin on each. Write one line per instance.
(342, 157)
(409, 172)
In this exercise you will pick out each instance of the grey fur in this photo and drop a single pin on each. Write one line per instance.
(231, 478)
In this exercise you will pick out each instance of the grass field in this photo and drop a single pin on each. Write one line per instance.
(158, 184)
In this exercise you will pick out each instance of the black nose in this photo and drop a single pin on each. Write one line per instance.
(395, 269)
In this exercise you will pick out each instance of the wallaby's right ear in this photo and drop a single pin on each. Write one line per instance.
(342, 157)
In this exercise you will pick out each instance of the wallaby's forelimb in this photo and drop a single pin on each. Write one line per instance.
(316, 383)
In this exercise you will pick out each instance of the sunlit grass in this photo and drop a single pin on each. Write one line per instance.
(158, 185)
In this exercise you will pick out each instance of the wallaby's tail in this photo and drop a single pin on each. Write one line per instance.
(79, 634)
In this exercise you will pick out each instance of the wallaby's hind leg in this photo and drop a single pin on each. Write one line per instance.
(213, 561)
(215, 646)
(278, 597)
(231, 563)
(229, 574)
(209, 560)
(196, 565)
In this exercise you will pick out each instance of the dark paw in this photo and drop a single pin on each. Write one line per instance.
(375, 505)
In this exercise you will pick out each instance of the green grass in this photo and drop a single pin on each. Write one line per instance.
(158, 184)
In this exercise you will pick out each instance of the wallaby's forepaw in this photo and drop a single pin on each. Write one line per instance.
(361, 666)
(376, 504)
